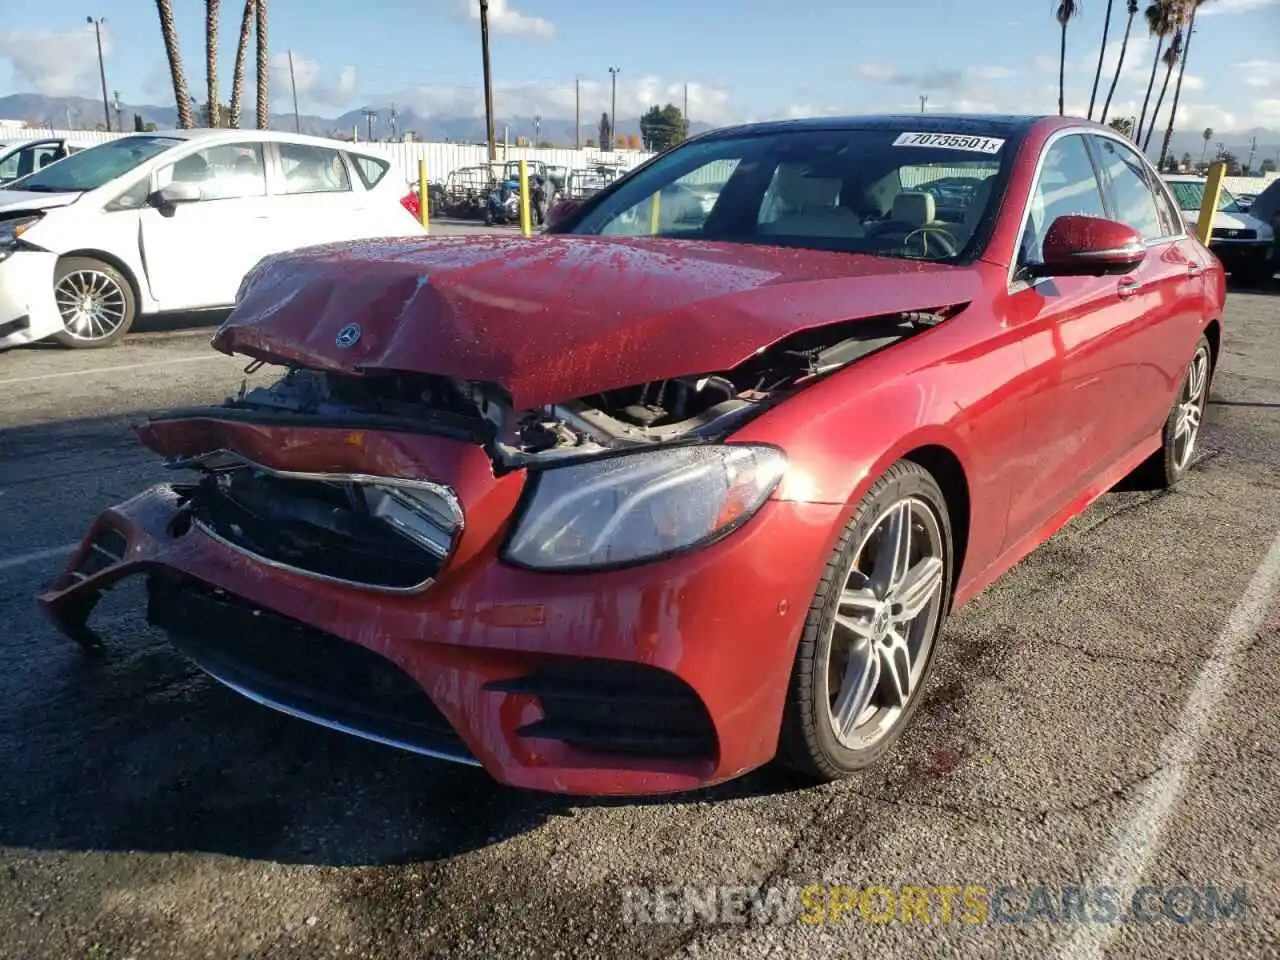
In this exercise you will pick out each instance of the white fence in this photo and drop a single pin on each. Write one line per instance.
(443, 157)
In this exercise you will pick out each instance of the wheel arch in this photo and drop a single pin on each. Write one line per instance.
(1213, 333)
(114, 262)
(946, 468)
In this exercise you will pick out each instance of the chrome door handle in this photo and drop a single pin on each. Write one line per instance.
(1126, 288)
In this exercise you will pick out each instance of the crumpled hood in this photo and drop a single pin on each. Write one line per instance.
(553, 318)
(18, 200)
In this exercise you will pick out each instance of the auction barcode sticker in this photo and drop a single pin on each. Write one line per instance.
(950, 141)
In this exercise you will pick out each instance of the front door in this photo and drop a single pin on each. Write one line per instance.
(197, 253)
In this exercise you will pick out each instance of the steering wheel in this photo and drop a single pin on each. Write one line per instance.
(946, 241)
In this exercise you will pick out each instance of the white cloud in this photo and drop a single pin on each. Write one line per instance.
(1226, 7)
(937, 78)
(1261, 73)
(315, 88)
(1191, 83)
(55, 63)
(503, 18)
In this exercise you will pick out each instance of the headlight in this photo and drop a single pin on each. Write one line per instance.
(639, 506)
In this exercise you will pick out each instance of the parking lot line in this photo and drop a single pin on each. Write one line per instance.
(1135, 842)
(124, 366)
(18, 561)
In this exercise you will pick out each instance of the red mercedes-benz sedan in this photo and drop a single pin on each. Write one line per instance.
(692, 481)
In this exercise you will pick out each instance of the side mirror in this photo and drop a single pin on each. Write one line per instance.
(1077, 246)
(561, 211)
(178, 192)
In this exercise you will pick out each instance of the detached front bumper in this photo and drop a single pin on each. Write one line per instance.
(27, 309)
(664, 677)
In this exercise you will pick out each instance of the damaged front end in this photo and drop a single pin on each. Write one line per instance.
(370, 552)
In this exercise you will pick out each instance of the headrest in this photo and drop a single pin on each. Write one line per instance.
(913, 207)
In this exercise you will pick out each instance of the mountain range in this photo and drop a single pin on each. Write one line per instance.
(74, 113)
(82, 113)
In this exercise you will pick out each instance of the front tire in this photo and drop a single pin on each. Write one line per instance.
(872, 629)
(95, 301)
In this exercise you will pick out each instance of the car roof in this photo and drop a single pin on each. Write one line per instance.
(225, 135)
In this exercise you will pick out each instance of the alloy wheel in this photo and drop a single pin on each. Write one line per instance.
(1191, 408)
(92, 304)
(885, 623)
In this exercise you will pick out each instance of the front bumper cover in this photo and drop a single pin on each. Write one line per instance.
(502, 656)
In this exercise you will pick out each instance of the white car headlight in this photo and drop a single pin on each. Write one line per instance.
(640, 506)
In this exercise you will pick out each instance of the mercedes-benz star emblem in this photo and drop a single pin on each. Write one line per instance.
(348, 336)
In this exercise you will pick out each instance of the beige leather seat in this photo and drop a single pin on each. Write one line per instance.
(808, 207)
(915, 208)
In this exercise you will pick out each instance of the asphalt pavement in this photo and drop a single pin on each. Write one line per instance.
(1104, 715)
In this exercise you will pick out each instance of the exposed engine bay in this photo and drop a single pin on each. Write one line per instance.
(705, 406)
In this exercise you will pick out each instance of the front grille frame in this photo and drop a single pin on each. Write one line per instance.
(224, 460)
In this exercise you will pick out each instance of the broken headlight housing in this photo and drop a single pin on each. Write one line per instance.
(641, 506)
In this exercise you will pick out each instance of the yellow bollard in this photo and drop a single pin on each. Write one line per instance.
(526, 215)
(1209, 205)
(655, 208)
(424, 204)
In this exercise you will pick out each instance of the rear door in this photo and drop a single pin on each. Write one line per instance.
(1070, 327)
(1166, 294)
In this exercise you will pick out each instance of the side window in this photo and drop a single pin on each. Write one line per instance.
(1132, 200)
(371, 170)
(309, 169)
(682, 205)
(1067, 185)
(229, 171)
(1171, 220)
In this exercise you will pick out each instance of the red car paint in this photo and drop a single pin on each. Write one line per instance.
(1040, 397)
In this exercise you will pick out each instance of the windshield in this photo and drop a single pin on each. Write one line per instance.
(885, 191)
(1190, 194)
(95, 167)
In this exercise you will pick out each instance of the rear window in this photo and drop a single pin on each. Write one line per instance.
(370, 169)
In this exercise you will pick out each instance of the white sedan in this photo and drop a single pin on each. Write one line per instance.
(173, 221)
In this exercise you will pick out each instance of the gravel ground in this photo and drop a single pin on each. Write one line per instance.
(147, 812)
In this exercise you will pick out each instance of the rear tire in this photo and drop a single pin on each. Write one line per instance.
(1181, 433)
(96, 303)
(860, 648)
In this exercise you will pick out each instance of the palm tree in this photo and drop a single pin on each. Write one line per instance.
(1182, 69)
(1067, 9)
(1132, 10)
(1159, 14)
(264, 115)
(1102, 49)
(1170, 59)
(168, 30)
(211, 10)
(1208, 135)
(242, 54)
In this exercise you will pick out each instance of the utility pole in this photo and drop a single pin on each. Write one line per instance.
(488, 78)
(537, 128)
(684, 111)
(924, 98)
(293, 83)
(102, 68)
(394, 124)
(613, 110)
(369, 117)
(577, 114)
(119, 112)
(1253, 146)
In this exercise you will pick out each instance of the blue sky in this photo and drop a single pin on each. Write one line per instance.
(752, 60)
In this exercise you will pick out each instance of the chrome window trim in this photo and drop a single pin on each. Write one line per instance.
(440, 490)
(1011, 281)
